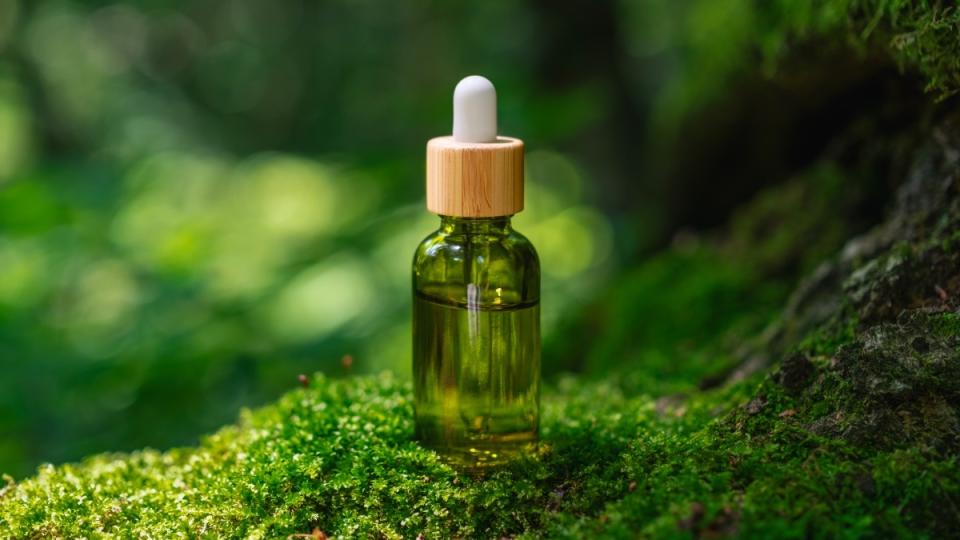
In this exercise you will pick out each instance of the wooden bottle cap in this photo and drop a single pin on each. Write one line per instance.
(467, 179)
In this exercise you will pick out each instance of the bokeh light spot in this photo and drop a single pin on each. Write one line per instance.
(321, 299)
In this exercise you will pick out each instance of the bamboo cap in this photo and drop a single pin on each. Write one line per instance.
(475, 172)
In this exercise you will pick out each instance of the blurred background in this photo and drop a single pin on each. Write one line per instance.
(200, 200)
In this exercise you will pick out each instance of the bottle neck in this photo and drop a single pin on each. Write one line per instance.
(468, 225)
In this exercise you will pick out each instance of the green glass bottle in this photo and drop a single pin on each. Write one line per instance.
(476, 298)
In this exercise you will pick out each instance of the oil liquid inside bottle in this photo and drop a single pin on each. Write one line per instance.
(477, 379)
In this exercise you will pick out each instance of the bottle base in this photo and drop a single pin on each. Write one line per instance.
(485, 452)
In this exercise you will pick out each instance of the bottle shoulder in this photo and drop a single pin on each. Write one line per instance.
(513, 245)
(501, 268)
(522, 244)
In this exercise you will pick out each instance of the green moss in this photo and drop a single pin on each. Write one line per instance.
(921, 35)
(702, 299)
(339, 456)
(771, 237)
(827, 338)
(722, 39)
(704, 303)
(946, 325)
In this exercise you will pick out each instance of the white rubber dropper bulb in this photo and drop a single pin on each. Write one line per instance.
(475, 110)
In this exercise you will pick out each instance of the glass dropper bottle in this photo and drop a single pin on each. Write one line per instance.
(476, 295)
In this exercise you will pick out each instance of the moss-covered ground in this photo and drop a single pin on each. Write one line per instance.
(339, 456)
